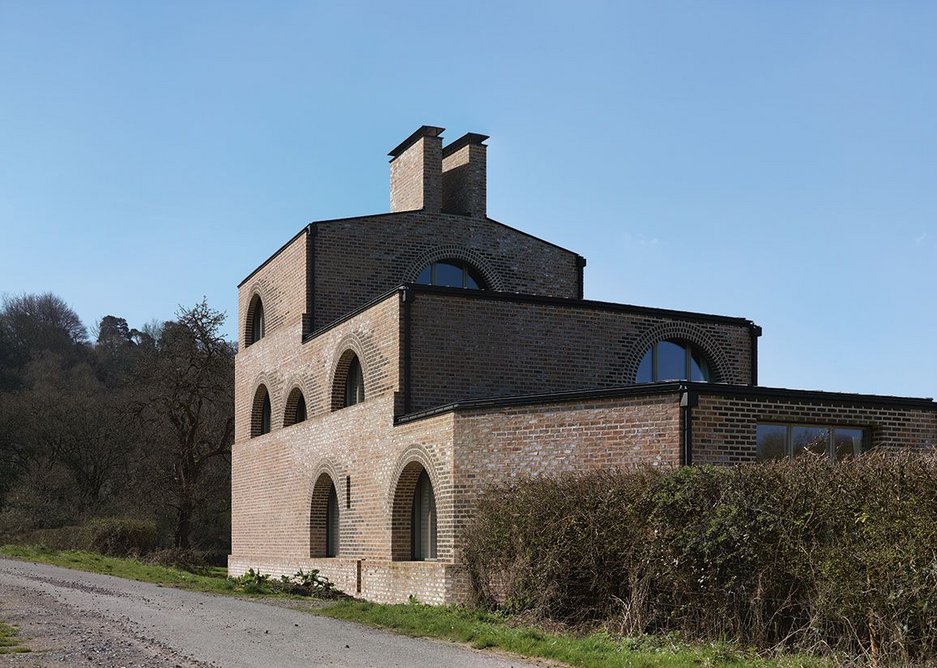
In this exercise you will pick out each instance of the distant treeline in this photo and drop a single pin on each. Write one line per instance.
(129, 423)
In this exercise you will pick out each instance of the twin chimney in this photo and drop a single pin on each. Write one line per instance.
(424, 175)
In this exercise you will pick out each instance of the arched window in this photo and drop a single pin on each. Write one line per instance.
(672, 360)
(423, 521)
(450, 274)
(348, 382)
(324, 519)
(260, 413)
(256, 327)
(354, 383)
(295, 408)
(331, 525)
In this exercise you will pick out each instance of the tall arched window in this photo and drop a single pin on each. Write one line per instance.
(331, 524)
(673, 360)
(295, 408)
(450, 274)
(324, 519)
(354, 383)
(260, 412)
(423, 521)
(256, 325)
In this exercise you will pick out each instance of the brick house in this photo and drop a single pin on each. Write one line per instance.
(392, 366)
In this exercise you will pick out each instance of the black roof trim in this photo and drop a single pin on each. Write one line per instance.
(652, 389)
(464, 140)
(535, 238)
(761, 392)
(422, 131)
(581, 303)
(351, 314)
(647, 389)
(277, 252)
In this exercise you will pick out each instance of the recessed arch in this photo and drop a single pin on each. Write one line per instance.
(255, 327)
(414, 517)
(348, 380)
(488, 278)
(261, 412)
(295, 410)
(685, 333)
(324, 518)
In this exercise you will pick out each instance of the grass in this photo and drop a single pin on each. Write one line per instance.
(482, 630)
(9, 641)
(489, 630)
(214, 581)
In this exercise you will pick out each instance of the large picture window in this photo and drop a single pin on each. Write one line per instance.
(776, 441)
(672, 360)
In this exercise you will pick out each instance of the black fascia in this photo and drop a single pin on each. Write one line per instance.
(582, 303)
(279, 250)
(644, 390)
(759, 392)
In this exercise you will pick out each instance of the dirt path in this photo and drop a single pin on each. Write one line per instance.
(83, 619)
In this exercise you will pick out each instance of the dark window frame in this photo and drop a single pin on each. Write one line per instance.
(468, 273)
(706, 369)
(831, 429)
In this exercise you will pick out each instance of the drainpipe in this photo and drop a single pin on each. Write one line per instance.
(688, 399)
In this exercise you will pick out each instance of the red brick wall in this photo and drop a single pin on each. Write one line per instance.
(724, 426)
(466, 348)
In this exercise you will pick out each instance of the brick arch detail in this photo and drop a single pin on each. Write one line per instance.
(257, 291)
(348, 346)
(325, 475)
(297, 386)
(399, 499)
(261, 391)
(452, 252)
(677, 331)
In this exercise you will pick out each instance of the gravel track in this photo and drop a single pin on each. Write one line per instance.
(74, 618)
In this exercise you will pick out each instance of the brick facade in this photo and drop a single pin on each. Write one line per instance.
(472, 387)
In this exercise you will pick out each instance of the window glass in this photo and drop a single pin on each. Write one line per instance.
(671, 361)
(331, 530)
(257, 321)
(426, 276)
(301, 409)
(424, 519)
(771, 440)
(470, 281)
(699, 367)
(265, 416)
(354, 384)
(809, 439)
(448, 275)
(646, 368)
(847, 442)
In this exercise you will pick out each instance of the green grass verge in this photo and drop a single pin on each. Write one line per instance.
(9, 641)
(215, 581)
(477, 628)
(488, 630)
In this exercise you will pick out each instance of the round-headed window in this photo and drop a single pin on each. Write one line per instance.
(450, 274)
(674, 360)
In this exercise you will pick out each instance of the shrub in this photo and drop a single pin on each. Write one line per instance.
(120, 536)
(301, 583)
(805, 554)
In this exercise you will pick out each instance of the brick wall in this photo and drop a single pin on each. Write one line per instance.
(359, 259)
(466, 347)
(724, 424)
(495, 446)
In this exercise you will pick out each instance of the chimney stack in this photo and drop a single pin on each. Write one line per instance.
(416, 172)
(464, 176)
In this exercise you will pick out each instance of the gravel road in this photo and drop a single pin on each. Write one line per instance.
(83, 619)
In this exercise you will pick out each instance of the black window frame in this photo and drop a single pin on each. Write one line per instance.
(688, 353)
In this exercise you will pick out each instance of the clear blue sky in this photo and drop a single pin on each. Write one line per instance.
(776, 161)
